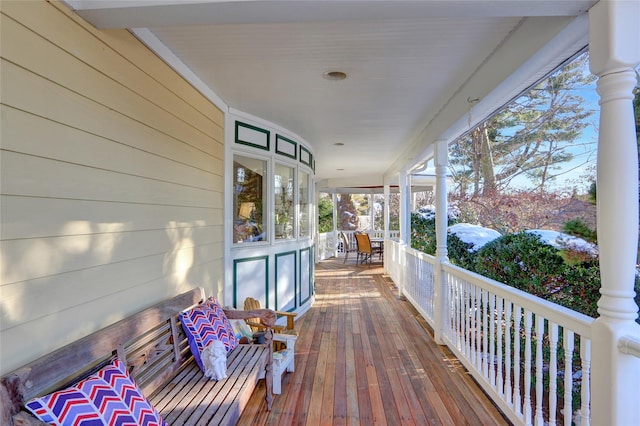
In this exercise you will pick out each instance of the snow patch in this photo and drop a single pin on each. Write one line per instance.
(561, 240)
(474, 234)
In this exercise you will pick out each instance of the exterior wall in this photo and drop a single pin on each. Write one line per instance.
(111, 180)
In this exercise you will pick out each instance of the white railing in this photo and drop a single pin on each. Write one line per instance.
(517, 346)
(418, 286)
(380, 234)
(352, 239)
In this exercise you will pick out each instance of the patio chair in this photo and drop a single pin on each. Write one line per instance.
(365, 250)
(347, 246)
(251, 304)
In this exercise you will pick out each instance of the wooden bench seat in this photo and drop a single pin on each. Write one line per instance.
(190, 398)
(156, 352)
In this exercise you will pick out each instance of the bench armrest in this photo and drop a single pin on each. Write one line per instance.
(268, 319)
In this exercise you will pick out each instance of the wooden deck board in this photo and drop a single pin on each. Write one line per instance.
(365, 357)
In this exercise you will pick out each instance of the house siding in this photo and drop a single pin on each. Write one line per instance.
(111, 180)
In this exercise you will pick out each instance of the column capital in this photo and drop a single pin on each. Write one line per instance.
(614, 41)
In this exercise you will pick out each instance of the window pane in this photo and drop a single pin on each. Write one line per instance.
(248, 196)
(303, 200)
(283, 190)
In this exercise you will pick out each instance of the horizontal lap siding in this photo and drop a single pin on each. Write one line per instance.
(111, 187)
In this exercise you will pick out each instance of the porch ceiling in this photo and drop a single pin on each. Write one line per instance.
(412, 66)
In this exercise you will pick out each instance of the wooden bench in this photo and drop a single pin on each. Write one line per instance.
(156, 352)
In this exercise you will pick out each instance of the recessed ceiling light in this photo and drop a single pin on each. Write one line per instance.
(339, 144)
(334, 75)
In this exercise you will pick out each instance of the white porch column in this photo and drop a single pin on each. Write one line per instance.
(334, 202)
(405, 208)
(614, 52)
(371, 215)
(405, 226)
(386, 211)
(441, 239)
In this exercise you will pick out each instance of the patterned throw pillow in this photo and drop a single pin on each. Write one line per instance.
(221, 324)
(196, 323)
(108, 397)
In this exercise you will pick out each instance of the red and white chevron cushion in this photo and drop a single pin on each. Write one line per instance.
(108, 397)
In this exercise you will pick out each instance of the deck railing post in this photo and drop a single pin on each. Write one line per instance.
(440, 287)
(614, 53)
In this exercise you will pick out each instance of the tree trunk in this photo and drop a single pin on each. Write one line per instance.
(488, 175)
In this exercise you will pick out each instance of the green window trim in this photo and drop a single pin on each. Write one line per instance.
(283, 143)
(295, 279)
(305, 156)
(235, 277)
(266, 146)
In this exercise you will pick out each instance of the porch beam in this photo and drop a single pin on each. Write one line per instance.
(614, 53)
(109, 14)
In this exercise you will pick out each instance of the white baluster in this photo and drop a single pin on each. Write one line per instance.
(539, 375)
(568, 375)
(492, 339)
(507, 357)
(553, 372)
(485, 333)
(501, 329)
(479, 331)
(527, 366)
(585, 391)
(517, 400)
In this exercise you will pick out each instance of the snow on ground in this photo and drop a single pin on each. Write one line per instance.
(479, 236)
(474, 234)
(560, 240)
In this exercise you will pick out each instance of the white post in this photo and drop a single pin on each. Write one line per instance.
(334, 202)
(405, 226)
(614, 46)
(440, 307)
(405, 210)
(386, 211)
(371, 216)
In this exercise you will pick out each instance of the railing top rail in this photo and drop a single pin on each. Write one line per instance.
(565, 317)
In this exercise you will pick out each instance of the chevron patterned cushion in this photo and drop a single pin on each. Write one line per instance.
(199, 330)
(205, 323)
(108, 397)
(222, 324)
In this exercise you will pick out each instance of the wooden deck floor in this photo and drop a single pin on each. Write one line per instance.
(365, 357)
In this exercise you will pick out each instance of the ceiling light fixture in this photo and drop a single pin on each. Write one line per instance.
(334, 75)
(339, 144)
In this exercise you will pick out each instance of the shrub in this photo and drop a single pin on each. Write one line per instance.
(522, 261)
(461, 253)
(579, 228)
(423, 233)
(579, 289)
(423, 229)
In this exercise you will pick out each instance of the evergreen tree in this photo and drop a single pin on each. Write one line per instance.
(531, 137)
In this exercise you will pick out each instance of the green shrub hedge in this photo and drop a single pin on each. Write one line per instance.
(568, 276)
